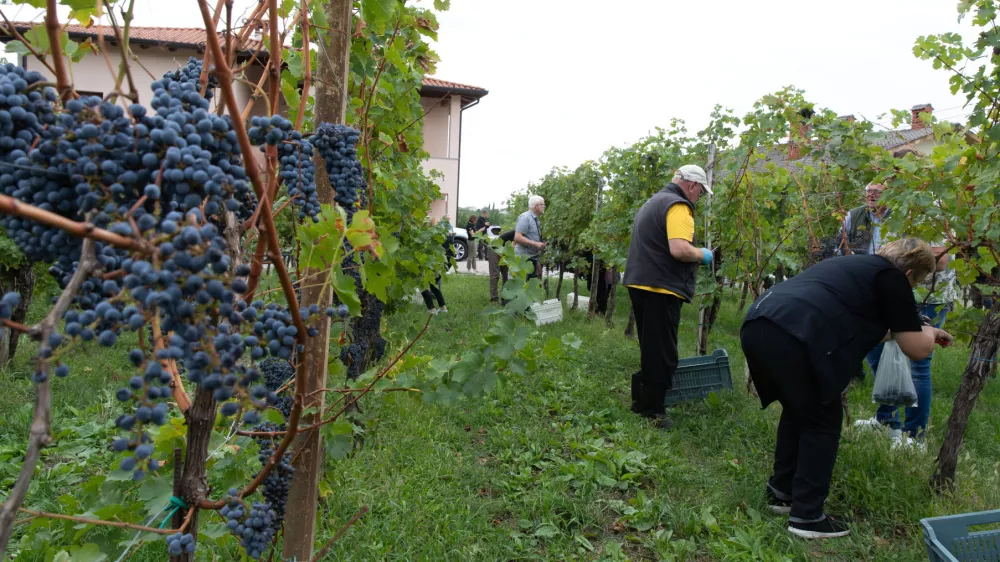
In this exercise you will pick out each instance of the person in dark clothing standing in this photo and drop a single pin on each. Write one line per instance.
(496, 270)
(660, 274)
(470, 230)
(804, 341)
(482, 223)
(434, 291)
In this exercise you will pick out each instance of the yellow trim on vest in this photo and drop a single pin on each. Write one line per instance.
(654, 290)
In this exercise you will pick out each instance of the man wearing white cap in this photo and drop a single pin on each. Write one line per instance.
(661, 274)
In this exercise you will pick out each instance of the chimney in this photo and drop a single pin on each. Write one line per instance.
(260, 28)
(794, 146)
(915, 111)
(848, 118)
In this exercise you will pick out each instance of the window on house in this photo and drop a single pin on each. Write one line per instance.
(87, 93)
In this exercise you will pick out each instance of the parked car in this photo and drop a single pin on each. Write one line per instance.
(462, 240)
(461, 243)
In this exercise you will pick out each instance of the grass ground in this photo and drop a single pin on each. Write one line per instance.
(553, 466)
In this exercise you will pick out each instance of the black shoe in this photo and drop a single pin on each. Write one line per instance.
(778, 506)
(828, 528)
(660, 420)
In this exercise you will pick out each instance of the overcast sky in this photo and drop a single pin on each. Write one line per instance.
(569, 79)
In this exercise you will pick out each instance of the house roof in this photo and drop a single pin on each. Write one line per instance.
(889, 140)
(899, 137)
(195, 38)
(169, 37)
(435, 87)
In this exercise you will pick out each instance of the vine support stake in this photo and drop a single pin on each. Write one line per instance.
(706, 314)
(331, 103)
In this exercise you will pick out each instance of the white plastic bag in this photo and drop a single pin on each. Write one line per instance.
(893, 383)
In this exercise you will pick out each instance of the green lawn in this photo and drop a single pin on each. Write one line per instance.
(552, 465)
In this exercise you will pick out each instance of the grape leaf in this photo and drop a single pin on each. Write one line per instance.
(344, 286)
(322, 240)
(471, 362)
(377, 11)
(213, 531)
(156, 493)
(290, 89)
(89, 552)
(378, 276)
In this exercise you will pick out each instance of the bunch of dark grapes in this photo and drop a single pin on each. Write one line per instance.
(8, 303)
(278, 481)
(178, 544)
(269, 130)
(350, 356)
(276, 373)
(255, 528)
(191, 73)
(298, 173)
(337, 144)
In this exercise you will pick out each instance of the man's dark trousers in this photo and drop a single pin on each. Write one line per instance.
(657, 319)
(496, 272)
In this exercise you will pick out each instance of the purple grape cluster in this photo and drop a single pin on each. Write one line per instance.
(254, 527)
(337, 145)
(278, 481)
(178, 544)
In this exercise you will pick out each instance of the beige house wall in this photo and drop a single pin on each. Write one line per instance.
(447, 181)
(442, 127)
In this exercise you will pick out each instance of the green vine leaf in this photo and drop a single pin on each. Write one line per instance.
(290, 90)
(322, 242)
(89, 552)
(378, 12)
(346, 292)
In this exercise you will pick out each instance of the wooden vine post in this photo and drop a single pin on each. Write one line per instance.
(595, 269)
(707, 314)
(981, 366)
(330, 107)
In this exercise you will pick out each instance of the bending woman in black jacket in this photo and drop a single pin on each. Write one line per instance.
(805, 339)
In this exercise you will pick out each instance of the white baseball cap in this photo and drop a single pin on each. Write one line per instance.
(692, 172)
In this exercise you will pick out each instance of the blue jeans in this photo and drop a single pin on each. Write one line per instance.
(916, 417)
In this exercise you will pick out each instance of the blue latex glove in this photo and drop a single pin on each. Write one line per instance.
(706, 256)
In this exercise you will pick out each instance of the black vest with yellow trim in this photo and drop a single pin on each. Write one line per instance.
(650, 263)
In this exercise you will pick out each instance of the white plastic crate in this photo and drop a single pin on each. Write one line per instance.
(582, 304)
(547, 312)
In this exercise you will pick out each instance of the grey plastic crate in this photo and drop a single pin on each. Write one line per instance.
(949, 540)
(697, 376)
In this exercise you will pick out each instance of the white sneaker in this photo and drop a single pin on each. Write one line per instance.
(870, 423)
(896, 435)
(907, 442)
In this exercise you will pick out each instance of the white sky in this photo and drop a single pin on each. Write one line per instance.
(569, 79)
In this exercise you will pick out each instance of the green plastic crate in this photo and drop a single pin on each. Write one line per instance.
(697, 376)
(949, 540)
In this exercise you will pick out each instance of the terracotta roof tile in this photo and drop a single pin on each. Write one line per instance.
(437, 83)
(194, 37)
